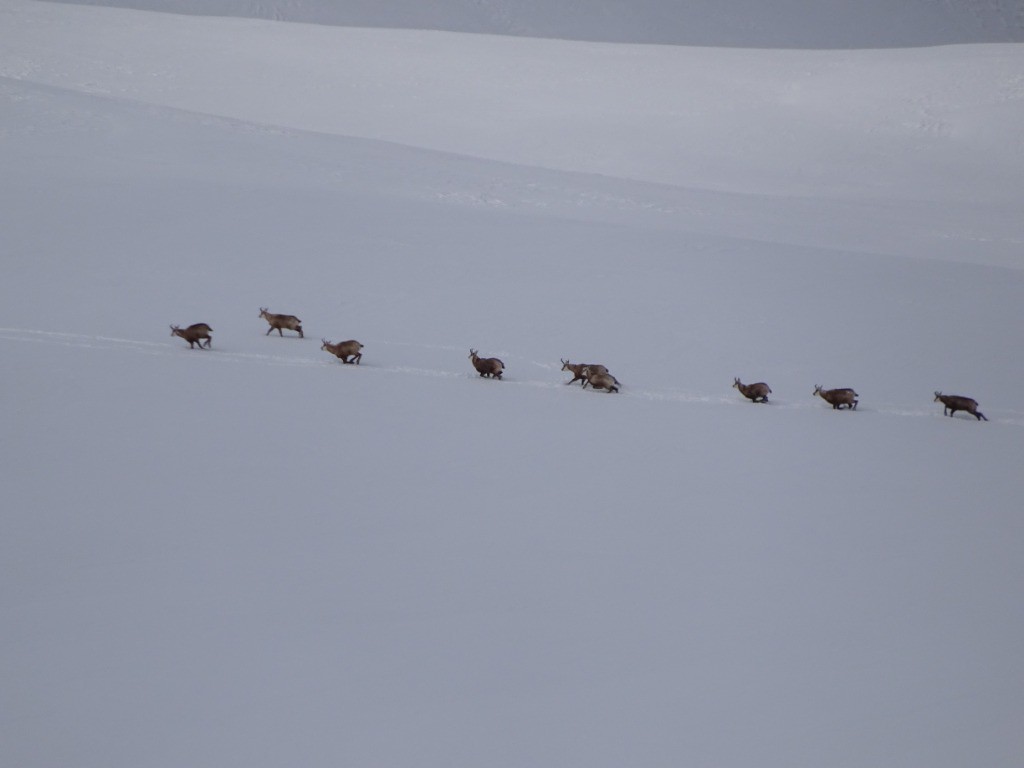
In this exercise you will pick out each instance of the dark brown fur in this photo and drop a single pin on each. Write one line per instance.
(194, 334)
(837, 398)
(577, 370)
(343, 350)
(289, 322)
(487, 367)
(600, 380)
(758, 393)
(953, 403)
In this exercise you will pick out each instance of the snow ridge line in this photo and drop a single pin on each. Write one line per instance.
(86, 341)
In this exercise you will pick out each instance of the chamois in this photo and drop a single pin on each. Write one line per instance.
(757, 393)
(577, 369)
(600, 379)
(487, 366)
(343, 350)
(954, 403)
(291, 322)
(837, 398)
(194, 334)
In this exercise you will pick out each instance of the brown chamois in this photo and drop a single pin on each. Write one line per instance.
(194, 334)
(291, 322)
(757, 393)
(837, 398)
(343, 350)
(600, 379)
(577, 369)
(954, 403)
(487, 367)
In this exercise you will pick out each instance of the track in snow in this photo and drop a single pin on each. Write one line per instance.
(169, 348)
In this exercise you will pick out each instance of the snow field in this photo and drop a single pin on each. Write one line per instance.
(255, 555)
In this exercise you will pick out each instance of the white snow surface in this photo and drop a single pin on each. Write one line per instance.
(739, 23)
(257, 556)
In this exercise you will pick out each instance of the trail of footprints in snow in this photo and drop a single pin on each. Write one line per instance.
(79, 340)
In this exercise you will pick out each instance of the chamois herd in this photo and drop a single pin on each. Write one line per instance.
(588, 374)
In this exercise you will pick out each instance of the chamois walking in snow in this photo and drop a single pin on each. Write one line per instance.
(837, 398)
(577, 370)
(487, 367)
(194, 334)
(954, 403)
(757, 393)
(600, 379)
(290, 322)
(343, 350)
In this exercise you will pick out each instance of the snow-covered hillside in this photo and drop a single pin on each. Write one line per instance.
(743, 23)
(936, 131)
(257, 556)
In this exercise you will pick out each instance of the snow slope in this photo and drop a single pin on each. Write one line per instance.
(741, 23)
(935, 130)
(257, 556)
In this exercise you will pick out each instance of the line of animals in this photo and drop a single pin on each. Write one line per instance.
(592, 374)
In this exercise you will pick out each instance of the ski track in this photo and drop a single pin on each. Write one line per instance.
(109, 343)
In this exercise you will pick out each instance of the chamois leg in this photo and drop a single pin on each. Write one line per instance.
(981, 416)
(280, 333)
(270, 330)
